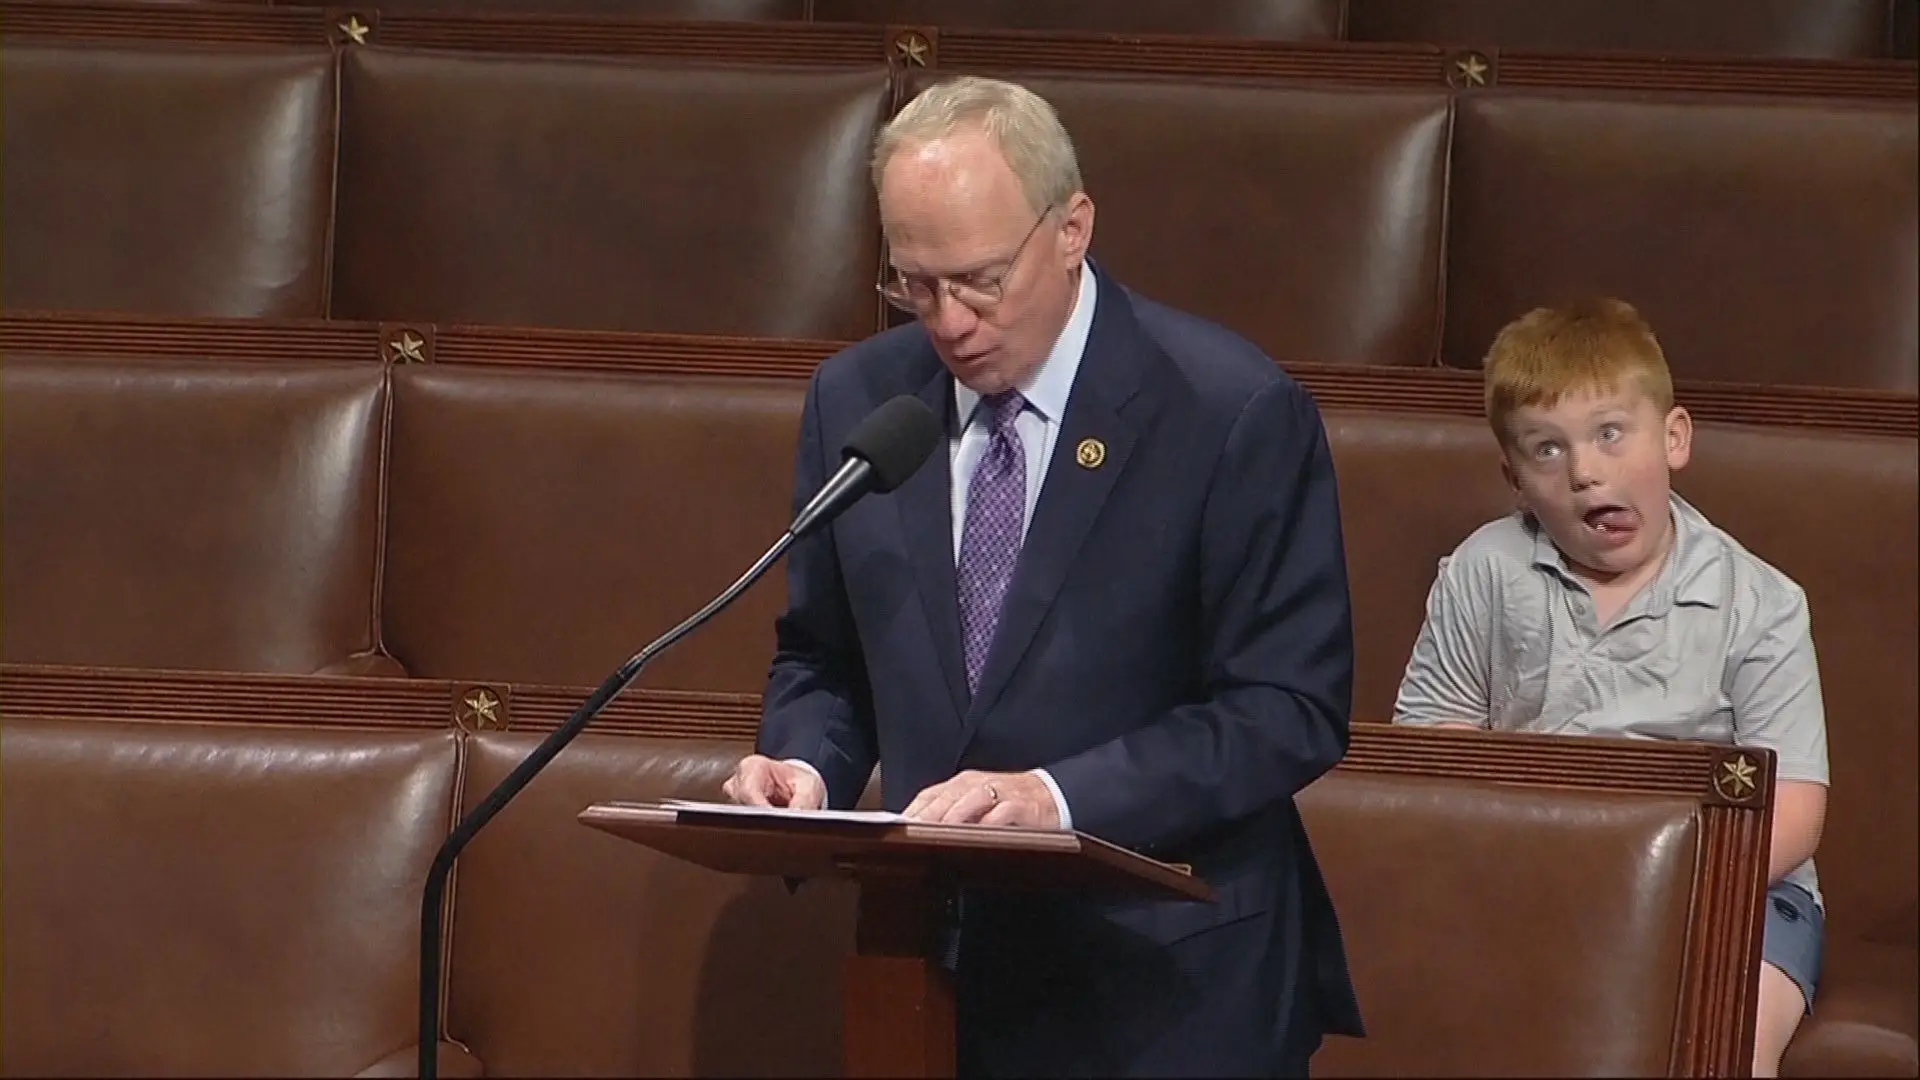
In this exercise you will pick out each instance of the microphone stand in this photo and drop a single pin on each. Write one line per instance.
(433, 905)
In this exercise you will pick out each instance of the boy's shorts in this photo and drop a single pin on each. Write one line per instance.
(1794, 937)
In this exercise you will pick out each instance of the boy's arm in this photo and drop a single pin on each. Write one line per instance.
(1445, 684)
(1777, 704)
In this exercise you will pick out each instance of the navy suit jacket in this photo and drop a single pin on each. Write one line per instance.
(1175, 647)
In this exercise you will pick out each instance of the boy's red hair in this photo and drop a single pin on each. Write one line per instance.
(1592, 345)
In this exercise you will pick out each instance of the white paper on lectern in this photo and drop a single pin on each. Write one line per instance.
(869, 817)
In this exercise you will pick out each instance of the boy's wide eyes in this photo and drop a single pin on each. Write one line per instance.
(1547, 449)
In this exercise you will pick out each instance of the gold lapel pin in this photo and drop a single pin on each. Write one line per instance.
(1090, 453)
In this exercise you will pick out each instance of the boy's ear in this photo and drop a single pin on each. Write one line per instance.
(1513, 480)
(1679, 438)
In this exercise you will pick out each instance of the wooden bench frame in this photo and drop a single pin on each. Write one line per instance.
(1436, 391)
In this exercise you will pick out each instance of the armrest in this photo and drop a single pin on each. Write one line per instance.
(455, 1063)
(366, 664)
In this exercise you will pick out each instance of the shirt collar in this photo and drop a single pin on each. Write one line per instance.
(1050, 385)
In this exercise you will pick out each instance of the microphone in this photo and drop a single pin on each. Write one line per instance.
(886, 449)
(880, 454)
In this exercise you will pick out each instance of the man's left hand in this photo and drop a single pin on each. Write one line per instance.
(1021, 800)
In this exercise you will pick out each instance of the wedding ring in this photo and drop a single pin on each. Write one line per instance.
(992, 794)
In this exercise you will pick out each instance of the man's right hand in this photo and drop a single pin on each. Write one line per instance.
(761, 781)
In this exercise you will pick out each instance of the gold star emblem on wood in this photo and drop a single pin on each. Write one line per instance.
(355, 30)
(1734, 779)
(407, 348)
(480, 709)
(1470, 69)
(912, 49)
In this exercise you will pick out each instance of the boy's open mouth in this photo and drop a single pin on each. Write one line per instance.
(1612, 521)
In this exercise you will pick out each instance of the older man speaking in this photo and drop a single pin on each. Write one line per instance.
(1117, 603)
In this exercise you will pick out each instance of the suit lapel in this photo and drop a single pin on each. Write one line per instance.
(926, 516)
(1102, 409)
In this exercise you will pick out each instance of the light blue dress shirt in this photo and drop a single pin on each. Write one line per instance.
(1046, 393)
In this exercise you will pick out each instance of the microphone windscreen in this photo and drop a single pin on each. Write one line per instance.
(895, 439)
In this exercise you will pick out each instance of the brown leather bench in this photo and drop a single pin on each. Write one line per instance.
(197, 513)
(218, 898)
(1478, 882)
(576, 953)
(1755, 235)
(1348, 187)
(495, 471)
(486, 175)
(183, 181)
(621, 194)
(543, 526)
(283, 831)
(1836, 511)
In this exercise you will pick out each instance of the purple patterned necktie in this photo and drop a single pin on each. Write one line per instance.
(990, 539)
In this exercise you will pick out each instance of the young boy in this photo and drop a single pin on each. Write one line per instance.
(1607, 605)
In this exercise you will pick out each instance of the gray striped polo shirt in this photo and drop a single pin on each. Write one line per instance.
(1717, 648)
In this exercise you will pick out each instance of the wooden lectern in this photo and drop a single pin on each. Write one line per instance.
(899, 1001)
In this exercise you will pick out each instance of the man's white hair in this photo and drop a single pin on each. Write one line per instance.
(1020, 122)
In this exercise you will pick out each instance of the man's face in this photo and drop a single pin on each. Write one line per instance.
(1595, 469)
(989, 276)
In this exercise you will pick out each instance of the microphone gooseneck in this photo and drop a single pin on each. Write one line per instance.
(886, 448)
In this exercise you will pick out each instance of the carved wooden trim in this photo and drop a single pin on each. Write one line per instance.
(1459, 392)
(106, 20)
(652, 354)
(1424, 390)
(1363, 63)
(84, 693)
(1591, 763)
(1794, 77)
(107, 334)
(1722, 949)
(1383, 63)
(665, 714)
(88, 693)
(827, 44)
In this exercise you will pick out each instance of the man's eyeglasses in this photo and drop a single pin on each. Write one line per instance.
(981, 291)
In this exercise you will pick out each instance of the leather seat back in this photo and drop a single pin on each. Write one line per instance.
(630, 194)
(1766, 241)
(545, 525)
(1840, 514)
(1412, 487)
(227, 899)
(1505, 930)
(219, 515)
(1348, 188)
(579, 954)
(167, 179)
